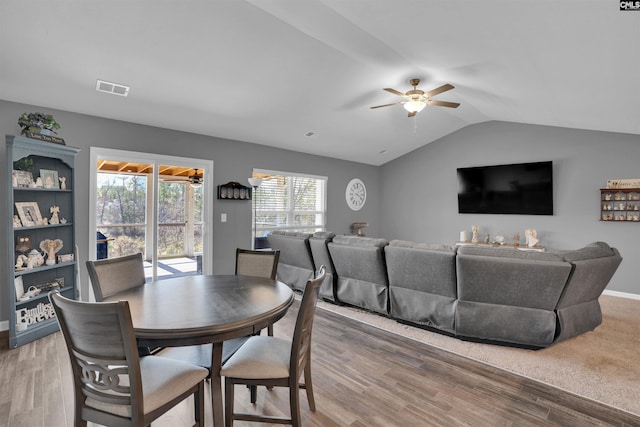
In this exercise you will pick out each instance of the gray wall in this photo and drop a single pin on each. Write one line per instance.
(233, 161)
(424, 182)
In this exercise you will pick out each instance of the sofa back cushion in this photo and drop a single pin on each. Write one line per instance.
(296, 263)
(591, 251)
(593, 268)
(359, 258)
(513, 253)
(511, 277)
(294, 248)
(318, 244)
(422, 267)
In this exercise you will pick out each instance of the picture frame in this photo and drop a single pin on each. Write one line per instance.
(65, 258)
(29, 213)
(49, 179)
(49, 285)
(19, 285)
(22, 178)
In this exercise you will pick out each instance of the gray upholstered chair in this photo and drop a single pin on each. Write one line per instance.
(276, 362)
(113, 386)
(110, 276)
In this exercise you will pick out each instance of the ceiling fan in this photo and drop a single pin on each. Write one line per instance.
(416, 99)
(195, 180)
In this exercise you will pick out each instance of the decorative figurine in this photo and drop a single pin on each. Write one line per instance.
(24, 244)
(63, 183)
(516, 239)
(21, 261)
(51, 247)
(34, 259)
(531, 237)
(16, 222)
(474, 229)
(54, 214)
(39, 182)
(487, 239)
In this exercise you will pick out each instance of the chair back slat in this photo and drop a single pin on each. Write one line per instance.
(110, 276)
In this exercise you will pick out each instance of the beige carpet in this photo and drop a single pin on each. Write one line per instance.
(603, 365)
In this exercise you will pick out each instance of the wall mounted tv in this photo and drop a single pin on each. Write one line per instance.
(520, 189)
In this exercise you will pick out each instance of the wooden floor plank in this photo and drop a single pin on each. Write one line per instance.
(362, 377)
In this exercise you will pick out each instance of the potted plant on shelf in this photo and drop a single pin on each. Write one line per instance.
(38, 123)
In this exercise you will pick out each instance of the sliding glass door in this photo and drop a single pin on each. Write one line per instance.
(154, 205)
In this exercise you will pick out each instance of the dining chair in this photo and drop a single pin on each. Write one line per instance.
(113, 385)
(276, 362)
(258, 263)
(113, 275)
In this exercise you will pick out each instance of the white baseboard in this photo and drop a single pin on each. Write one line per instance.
(621, 294)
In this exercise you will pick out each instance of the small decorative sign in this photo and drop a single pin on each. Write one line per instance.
(47, 138)
(30, 316)
(234, 191)
(623, 183)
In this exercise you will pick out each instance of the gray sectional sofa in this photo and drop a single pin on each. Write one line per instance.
(476, 292)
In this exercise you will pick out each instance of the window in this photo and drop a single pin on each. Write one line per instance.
(290, 202)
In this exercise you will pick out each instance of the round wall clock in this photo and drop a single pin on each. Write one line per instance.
(356, 194)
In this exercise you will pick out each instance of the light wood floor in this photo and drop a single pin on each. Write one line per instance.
(363, 377)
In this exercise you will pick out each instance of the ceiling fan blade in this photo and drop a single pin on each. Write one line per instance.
(411, 114)
(438, 90)
(387, 105)
(395, 92)
(443, 103)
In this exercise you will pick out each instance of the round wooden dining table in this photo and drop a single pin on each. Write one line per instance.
(192, 310)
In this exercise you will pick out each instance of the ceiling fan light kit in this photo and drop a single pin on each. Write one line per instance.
(417, 99)
(414, 106)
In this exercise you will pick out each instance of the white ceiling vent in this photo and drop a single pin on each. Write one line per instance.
(112, 88)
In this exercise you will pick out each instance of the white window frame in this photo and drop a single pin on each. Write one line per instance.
(321, 214)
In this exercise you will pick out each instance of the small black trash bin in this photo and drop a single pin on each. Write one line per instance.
(102, 249)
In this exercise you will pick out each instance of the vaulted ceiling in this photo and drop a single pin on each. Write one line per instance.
(274, 71)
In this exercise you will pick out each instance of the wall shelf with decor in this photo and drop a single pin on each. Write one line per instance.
(234, 191)
(40, 234)
(620, 204)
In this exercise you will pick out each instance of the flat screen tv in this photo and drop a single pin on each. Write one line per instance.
(520, 189)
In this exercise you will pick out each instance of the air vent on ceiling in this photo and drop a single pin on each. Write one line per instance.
(112, 88)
